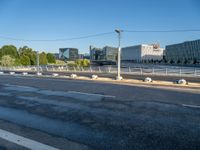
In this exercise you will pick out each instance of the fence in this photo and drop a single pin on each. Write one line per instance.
(168, 71)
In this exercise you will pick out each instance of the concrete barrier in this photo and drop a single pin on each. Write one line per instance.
(25, 73)
(1, 72)
(148, 79)
(94, 76)
(120, 78)
(55, 74)
(12, 73)
(73, 76)
(39, 73)
(182, 81)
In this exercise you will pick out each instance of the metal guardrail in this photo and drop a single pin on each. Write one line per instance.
(168, 71)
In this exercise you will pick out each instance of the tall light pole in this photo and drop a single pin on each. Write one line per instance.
(118, 31)
(38, 62)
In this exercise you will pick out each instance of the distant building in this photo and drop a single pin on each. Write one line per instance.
(186, 52)
(68, 53)
(143, 52)
(81, 56)
(56, 55)
(105, 55)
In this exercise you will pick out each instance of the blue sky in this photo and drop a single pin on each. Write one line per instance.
(55, 19)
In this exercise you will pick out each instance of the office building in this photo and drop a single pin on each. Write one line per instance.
(106, 54)
(143, 52)
(186, 52)
(68, 54)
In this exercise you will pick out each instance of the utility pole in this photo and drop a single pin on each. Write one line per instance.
(118, 31)
(38, 63)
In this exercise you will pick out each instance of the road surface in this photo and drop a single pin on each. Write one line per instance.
(72, 114)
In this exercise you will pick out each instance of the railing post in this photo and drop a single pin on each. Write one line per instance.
(153, 71)
(99, 69)
(129, 69)
(141, 71)
(180, 72)
(166, 71)
(67, 68)
(109, 69)
(195, 72)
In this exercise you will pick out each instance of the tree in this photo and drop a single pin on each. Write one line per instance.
(195, 61)
(178, 61)
(82, 62)
(171, 61)
(25, 60)
(28, 52)
(51, 58)
(9, 50)
(185, 61)
(7, 60)
(43, 58)
(78, 62)
(85, 62)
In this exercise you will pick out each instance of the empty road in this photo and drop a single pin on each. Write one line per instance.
(72, 114)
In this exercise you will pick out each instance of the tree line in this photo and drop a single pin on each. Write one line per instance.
(24, 56)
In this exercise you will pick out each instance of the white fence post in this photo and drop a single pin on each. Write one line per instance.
(166, 71)
(109, 69)
(195, 72)
(153, 71)
(99, 69)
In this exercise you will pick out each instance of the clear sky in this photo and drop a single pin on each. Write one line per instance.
(55, 19)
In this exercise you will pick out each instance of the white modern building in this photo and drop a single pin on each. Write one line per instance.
(142, 52)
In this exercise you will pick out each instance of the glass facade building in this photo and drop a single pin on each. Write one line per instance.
(188, 51)
(105, 54)
(68, 53)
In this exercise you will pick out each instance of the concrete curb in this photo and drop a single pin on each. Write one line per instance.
(124, 81)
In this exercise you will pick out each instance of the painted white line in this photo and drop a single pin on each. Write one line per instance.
(25, 142)
(91, 94)
(192, 106)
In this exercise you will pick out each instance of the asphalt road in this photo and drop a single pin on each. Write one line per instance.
(72, 114)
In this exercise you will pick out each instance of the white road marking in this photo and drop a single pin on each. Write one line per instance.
(25, 142)
(192, 106)
(91, 94)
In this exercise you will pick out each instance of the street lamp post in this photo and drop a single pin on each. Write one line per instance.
(38, 63)
(119, 55)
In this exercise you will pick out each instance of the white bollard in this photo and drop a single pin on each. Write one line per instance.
(55, 74)
(12, 73)
(120, 78)
(94, 76)
(73, 76)
(147, 79)
(39, 73)
(25, 73)
(182, 81)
